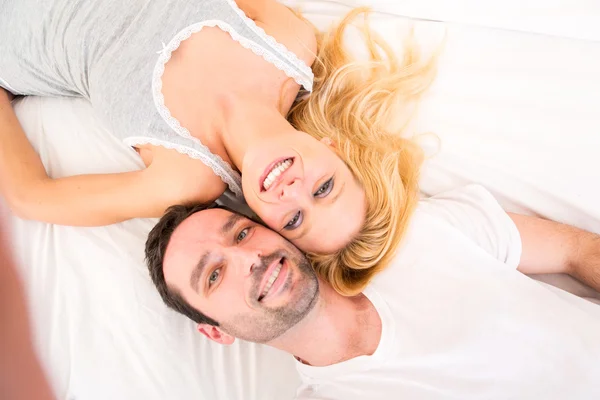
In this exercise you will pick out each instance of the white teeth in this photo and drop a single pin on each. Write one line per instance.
(277, 170)
(271, 280)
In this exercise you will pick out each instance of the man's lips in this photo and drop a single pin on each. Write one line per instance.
(268, 273)
(275, 280)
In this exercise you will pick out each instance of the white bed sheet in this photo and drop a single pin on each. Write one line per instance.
(514, 111)
(577, 19)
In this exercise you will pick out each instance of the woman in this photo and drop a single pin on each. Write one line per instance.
(197, 116)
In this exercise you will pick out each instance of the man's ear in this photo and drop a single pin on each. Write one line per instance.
(215, 334)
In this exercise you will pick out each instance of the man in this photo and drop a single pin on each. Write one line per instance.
(21, 375)
(454, 317)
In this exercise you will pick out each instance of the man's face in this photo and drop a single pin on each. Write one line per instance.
(241, 274)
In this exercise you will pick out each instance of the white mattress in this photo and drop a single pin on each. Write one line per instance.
(514, 111)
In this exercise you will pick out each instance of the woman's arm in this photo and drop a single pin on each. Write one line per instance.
(18, 160)
(93, 200)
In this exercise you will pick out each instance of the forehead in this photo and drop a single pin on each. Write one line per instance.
(348, 211)
(206, 225)
(199, 231)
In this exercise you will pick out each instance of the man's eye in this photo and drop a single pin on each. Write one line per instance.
(325, 189)
(295, 222)
(214, 276)
(242, 235)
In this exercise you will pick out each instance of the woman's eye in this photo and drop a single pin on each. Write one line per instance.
(325, 189)
(242, 235)
(214, 276)
(295, 222)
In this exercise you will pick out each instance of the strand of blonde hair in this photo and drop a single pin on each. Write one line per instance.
(353, 104)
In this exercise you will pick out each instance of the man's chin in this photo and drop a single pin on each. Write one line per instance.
(277, 314)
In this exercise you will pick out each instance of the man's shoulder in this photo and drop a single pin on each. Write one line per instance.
(436, 221)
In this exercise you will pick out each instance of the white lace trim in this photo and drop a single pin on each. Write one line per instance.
(215, 162)
(308, 78)
(233, 180)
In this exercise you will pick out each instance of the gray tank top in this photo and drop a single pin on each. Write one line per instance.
(113, 52)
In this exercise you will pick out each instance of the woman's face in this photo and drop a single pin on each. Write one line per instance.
(300, 188)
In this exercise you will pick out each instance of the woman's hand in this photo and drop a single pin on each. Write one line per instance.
(98, 199)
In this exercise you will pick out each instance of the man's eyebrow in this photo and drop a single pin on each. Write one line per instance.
(197, 272)
(231, 221)
(199, 268)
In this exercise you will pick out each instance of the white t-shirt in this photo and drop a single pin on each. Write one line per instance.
(460, 322)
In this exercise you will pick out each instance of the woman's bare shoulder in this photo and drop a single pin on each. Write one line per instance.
(285, 25)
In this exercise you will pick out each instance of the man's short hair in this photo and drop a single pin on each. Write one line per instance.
(156, 246)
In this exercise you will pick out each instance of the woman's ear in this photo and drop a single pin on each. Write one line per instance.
(328, 142)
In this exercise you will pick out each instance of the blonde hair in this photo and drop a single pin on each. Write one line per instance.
(353, 104)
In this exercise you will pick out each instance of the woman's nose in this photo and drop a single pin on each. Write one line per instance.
(291, 190)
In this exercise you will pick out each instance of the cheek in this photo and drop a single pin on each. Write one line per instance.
(229, 300)
(271, 215)
(322, 163)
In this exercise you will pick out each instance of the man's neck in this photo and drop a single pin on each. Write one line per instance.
(337, 329)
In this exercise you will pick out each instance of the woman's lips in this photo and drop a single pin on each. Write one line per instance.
(271, 176)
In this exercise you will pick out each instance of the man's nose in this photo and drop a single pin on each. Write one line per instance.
(245, 259)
